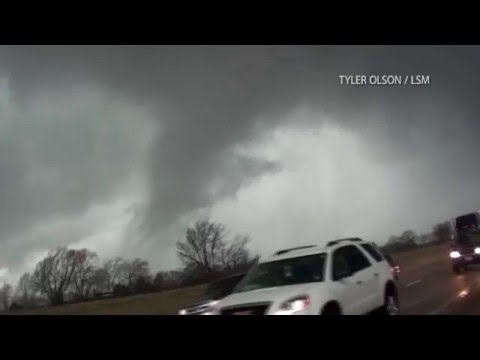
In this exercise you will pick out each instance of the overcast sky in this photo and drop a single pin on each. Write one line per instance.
(119, 148)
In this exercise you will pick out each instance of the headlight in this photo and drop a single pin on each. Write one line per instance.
(212, 310)
(294, 305)
(477, 250)
(182, 312)
(455, 254)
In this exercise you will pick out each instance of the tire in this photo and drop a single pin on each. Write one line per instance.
(331, 309)
(391, 305)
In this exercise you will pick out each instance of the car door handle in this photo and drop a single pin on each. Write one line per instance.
(359, 282)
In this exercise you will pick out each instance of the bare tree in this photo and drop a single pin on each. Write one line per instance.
(6, 293)
(100, 281)
(393, 240)
(115, 271)
(442, 232)
(235, 253)
(25, 293)
(425, 239)
(202, 246)
(53, 275)
(408, 238)
(205, 252)
(143, 285)
(171, 279)
(82, 279)
(159, 280)
(136, 270)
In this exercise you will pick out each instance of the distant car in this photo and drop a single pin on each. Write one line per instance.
(348, 276)
(213, 293)
(394, 268)
(465, 250)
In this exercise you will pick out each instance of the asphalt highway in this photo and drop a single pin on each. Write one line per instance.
(435, 290)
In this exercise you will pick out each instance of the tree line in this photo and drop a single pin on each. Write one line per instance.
(409, 240)
(74, 275)
(206, 253)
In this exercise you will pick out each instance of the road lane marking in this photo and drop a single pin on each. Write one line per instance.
(443, 306)
(462, 294)
(414, 282)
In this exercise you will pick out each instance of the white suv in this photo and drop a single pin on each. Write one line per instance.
(347, 276)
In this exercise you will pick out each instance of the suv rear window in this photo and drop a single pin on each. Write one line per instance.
(372, 252)
(352, 256)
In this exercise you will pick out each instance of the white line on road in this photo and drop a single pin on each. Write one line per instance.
(450, 301)
(443, 306)
(414, 282)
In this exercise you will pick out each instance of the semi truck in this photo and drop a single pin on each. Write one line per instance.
(465, 248)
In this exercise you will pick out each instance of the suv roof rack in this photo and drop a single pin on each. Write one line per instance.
(284, 251)
(335, 242)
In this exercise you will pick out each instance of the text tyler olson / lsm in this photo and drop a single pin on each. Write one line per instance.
(384, 79)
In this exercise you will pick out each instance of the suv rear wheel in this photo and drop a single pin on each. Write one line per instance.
(391, 306)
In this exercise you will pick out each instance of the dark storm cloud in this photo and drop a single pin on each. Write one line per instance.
(60, 154)
(209, 99)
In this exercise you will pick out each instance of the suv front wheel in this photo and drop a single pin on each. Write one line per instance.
(331, 309)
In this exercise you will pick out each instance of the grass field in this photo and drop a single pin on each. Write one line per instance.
(414, 259)
(169, 302)
(161, 303)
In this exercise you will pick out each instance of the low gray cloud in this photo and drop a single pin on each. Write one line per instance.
(60, 154)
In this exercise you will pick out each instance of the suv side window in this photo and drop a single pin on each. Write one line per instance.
(372, 252)
(349, 256)
(340, 264)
